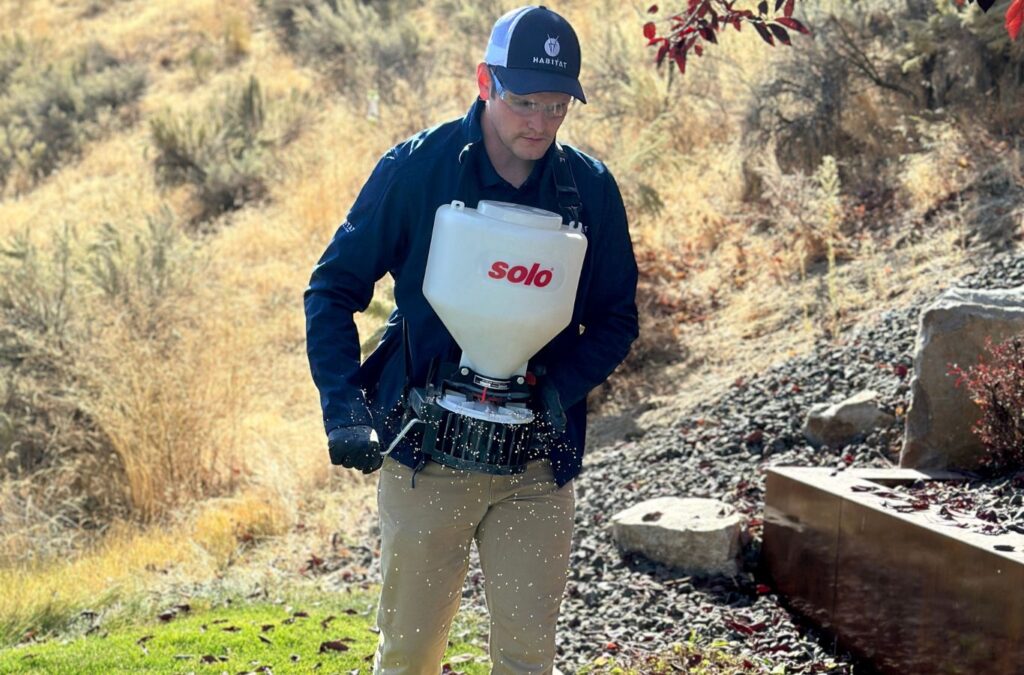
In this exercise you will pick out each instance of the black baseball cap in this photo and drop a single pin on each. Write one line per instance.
(532, 49)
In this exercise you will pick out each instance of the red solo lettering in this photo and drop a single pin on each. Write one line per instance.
(498, 270)
(519, 274)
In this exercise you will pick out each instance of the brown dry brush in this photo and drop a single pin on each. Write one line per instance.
(97, 422)
(228, 152)
(50, 110)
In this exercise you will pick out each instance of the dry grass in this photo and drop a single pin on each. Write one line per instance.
(40, 599)
(112, 577)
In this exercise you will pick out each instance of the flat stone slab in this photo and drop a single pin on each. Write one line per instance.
(695, 535)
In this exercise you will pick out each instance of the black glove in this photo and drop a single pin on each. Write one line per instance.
(355, 448)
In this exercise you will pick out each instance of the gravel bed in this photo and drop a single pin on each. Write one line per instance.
(627, 606)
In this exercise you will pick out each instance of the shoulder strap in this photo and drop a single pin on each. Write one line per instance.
(565, 185)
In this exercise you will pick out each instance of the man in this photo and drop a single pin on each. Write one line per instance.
(504, 149)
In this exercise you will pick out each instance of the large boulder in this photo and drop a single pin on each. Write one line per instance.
(697, 536)
(839, 424)
(953, 331)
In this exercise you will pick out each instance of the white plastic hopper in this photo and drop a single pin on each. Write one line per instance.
(502, 278)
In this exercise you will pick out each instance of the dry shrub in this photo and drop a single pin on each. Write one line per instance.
(961, 60)
(665, 302)
(807, 212)
(227, 152)
(221, 37)
(162, 389)
(872, 69)
(60, 482)
(831, 96)
(362, 46)
(164, 422)
(969, 177)
(938, 171)
(995, 217)
(49, 111)
(58, 477)
(236, 36)
(122, 402)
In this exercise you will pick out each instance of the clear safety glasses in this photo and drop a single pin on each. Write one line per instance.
(525, 107)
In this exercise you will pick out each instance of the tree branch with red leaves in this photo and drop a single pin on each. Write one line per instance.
(689, 31)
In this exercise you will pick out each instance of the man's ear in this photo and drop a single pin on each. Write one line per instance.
(483, 81)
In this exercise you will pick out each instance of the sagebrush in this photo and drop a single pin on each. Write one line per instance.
(50, 110)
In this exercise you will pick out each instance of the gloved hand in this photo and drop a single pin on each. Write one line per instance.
(355, 448)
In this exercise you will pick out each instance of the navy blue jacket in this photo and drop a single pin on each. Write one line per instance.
(388, 231)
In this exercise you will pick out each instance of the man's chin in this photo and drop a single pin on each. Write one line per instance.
(532, 150)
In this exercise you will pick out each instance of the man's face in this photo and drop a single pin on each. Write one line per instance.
(527, 135)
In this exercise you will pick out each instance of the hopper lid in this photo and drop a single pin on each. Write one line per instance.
(520, 215)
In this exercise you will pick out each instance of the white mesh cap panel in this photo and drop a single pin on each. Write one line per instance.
(501, 35)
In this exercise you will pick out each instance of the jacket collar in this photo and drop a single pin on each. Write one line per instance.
(471, 130)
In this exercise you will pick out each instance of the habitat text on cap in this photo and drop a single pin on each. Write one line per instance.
(532, 49)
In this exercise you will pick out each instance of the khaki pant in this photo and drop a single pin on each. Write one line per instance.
(522, 526)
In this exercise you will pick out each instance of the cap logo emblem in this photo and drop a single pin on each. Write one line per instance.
(551, 47)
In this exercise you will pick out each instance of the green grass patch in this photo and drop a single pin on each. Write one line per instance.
(334, 635)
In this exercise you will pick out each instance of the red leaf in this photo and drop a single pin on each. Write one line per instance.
(680, 58)
(1014, 18)
(662, 51)
(653, 9)
(788, 9)
(650, 30)
(739, 627)
(763, 32)
(780, 33)
(794, 24)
